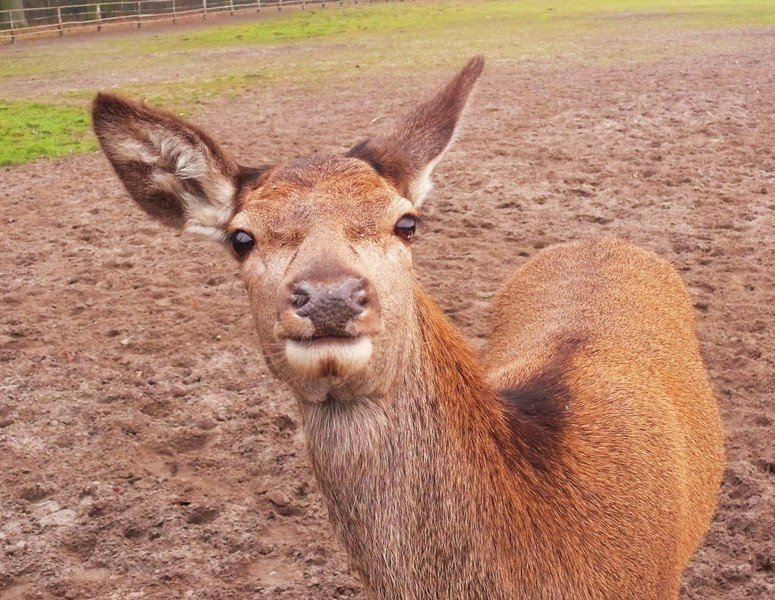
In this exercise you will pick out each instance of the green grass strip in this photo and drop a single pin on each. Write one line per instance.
(30, 130)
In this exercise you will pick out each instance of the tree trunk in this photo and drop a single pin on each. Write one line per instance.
(16, 15)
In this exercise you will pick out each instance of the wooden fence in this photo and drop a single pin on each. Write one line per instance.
(40, 22)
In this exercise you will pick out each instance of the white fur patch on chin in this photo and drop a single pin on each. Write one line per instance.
(323, 358)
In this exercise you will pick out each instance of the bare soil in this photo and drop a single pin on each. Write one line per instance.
(146, 452)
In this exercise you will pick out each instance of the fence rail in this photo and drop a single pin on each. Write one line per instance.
(24, 23)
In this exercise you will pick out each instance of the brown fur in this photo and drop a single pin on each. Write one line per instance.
(579, 458)
(163, 205)
(422, 136)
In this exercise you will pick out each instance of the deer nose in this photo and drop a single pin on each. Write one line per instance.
(330, 305)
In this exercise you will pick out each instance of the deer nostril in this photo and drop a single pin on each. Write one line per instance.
(360, 297)
(299, 299)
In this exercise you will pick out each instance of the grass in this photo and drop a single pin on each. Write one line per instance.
(433, 21)
(193, 65)
(434, 18)
(30, 130)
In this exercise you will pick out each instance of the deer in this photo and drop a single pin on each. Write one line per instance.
(578, 456)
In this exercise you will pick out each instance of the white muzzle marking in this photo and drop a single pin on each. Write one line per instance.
(328, 356)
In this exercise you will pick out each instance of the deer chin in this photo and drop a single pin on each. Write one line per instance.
(328, 356)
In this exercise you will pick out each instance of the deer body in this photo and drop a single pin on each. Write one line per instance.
(578, 458)
(441, 482)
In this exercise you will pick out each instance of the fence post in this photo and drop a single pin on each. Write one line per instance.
(59, 21)
(280, 5)
(258, 6)
(204, 9)
(174, 17)
(231, 7)
(139, 13)
(99, 18)
(13, 37)
(303, 4)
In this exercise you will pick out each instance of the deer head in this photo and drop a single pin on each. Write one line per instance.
(323, 241)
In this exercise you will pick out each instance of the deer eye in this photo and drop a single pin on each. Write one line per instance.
(242, 242)
(406, 227)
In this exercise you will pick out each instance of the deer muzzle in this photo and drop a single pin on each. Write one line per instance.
(327, 323)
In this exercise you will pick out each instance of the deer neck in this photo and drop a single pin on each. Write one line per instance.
(412, 477)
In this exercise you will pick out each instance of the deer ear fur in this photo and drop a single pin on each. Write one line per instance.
(174, 171)
(407, 155)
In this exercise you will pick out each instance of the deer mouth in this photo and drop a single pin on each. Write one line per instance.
(315, 339)
(328, 356)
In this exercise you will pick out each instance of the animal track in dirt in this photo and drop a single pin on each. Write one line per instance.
(202, 515)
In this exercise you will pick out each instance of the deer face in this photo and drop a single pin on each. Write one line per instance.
(328, 271)
(323, 241)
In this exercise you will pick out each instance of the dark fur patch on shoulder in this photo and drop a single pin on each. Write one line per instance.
(537, 409)
(535, 414)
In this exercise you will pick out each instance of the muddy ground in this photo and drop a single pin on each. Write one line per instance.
(145, 451)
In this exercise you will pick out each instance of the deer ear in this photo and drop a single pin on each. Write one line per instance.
(174, 171)
(407, 155)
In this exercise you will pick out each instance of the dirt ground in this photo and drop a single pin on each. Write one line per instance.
(146, 452)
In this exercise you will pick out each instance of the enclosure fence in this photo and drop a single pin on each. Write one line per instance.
(24, 23)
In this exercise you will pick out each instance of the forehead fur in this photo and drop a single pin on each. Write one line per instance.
(319, 188)
(321, 173)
